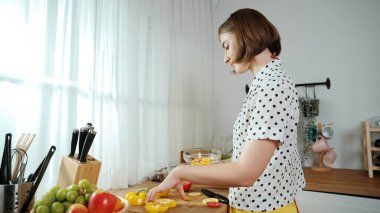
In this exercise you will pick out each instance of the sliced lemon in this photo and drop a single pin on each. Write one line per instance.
(205, 201)
(194, 194)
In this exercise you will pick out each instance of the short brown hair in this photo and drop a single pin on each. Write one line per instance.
(254, 33)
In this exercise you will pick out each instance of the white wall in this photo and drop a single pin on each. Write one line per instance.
(336, 39)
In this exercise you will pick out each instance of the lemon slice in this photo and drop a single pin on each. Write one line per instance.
(194, 194)
(205, 201)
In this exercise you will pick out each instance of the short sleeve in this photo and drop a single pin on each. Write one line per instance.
(271, 111)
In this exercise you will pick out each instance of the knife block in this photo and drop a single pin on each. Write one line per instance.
(72, 171)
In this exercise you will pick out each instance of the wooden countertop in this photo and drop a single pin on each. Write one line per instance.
(193, 205)
(339, 181)
(343, 181)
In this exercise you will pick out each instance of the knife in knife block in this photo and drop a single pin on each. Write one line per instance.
(72, 171)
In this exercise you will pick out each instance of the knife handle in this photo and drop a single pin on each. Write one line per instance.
(9, 161)
(87, 145)
(6, 161)
(74, 141)
(82, 137)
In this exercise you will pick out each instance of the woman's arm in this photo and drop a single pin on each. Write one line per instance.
(254, 158)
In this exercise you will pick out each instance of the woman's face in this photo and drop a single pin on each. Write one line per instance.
(228, 42)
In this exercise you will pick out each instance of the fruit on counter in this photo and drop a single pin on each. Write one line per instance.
(195, 194)
(136, 198)
(67, 204)
(59, 199)
(170, 202)
(119, 205)
(163, 193)
(77, 208)
(201, 161)
(153, 207)
(42, 209)
(206, 200)
(102, 202)
(213, 204)
(186, 185)
(84, 184)
(57, 207)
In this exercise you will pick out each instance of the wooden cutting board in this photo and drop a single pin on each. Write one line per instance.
(193, 205)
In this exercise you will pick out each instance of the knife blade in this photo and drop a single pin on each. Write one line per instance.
(74, 141)
(220, 197)
(82, 137)
(87, 145)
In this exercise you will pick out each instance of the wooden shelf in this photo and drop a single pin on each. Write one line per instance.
(374, 129)
(343, 181)
(368, 148)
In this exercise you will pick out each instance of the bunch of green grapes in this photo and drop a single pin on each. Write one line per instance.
(58, 200)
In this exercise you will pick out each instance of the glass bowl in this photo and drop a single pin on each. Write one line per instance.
(200, 156)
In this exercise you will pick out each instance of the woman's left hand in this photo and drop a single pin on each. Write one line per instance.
(171, 181)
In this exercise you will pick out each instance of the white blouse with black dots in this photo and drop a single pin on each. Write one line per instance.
(269, 111)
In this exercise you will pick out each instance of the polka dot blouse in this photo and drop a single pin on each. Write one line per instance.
(269, 111)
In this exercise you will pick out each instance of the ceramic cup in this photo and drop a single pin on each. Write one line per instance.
(328, 132)
(329, 157)
(320, 145)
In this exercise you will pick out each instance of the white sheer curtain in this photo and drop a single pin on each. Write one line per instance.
(140, 71)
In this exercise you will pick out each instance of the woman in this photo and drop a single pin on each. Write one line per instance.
(265, 173)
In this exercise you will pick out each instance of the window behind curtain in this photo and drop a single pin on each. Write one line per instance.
(140, 71)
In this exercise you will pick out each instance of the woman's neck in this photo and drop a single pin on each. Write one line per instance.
(261, 60)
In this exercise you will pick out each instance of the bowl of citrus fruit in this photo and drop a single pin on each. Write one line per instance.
(200, 156)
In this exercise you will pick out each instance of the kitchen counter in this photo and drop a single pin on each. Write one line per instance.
(193, 205)
(343, 181)
(338, 181)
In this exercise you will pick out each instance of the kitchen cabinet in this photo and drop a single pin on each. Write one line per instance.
(368, 148)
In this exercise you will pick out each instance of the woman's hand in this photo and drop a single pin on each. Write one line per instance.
(171, 181)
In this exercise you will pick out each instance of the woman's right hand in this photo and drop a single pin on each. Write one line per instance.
(171, 181)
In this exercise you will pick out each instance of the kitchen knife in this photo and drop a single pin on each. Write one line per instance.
(74, 141)
(82, 137)
(87, 145)
(220, 197)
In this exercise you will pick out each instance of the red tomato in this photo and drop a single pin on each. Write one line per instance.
(102, 202)
(186, 185)
(213, 204)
